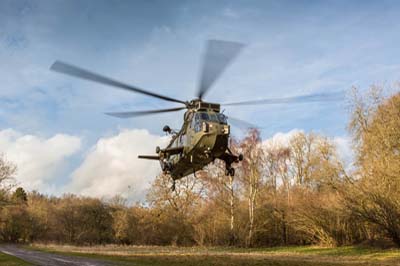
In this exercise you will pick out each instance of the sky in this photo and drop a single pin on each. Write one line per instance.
(54, 128)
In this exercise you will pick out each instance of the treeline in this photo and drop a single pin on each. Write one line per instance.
(296, 192)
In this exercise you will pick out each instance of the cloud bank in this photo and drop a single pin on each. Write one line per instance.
(39, 160)
(112, 168)
(108, 168)
(342, 143)
(281, 138)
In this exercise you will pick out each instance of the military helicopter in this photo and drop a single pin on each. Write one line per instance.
(204, 135)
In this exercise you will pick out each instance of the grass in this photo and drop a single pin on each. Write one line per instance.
(200, 256)
(7, 260)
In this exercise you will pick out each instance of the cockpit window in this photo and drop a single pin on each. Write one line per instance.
(204, 116)
(212, 117)
(196, 124)
(222, 119)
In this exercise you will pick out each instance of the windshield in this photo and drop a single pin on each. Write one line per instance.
(212, 117)
(204, 116)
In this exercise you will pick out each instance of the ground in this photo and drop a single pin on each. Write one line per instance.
(198, 256)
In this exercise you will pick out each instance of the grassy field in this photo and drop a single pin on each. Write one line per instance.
(7, 260)
(283, 256)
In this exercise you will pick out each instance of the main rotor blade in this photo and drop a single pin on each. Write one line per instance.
(141, 113)
(75, 71)
(239, 123)
(317, 97)
(218, 55)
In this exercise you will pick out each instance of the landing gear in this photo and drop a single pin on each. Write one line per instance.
(230, 158)
(166, 166)
(173, 185)
(230, 171)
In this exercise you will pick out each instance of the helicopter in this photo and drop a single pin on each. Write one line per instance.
(205, 132)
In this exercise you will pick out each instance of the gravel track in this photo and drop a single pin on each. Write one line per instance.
(40, 258)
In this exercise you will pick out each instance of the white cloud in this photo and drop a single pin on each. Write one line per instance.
(38, 160)
(112, 166)
(342, 143)
(344, 149)
(281, 138)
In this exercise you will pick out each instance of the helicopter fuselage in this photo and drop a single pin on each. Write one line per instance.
(204, 137)
(200, 149)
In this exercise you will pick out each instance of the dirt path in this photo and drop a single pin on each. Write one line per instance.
(48, 259)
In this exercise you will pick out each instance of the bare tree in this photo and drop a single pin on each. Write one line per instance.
(374, 194)
(222, 190)
(252, 174)
(7, 172)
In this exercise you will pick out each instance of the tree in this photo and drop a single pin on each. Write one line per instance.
(277, 165)
(7, 172)
(19, 196)
(221, 193)
(124, 222)
(44, 225)
(15, 224)
(175, 210)
(84, 220)
(374, 193)
(251, 174)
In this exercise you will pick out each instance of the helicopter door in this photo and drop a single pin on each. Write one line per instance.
(195, 126)
(197, 123)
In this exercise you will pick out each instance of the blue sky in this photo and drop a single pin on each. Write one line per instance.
(292, 48)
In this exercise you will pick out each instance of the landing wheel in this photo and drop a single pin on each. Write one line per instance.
(240, 157)
(230, 171)
(173, 185)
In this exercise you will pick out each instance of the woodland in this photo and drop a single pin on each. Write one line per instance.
(295, 193)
